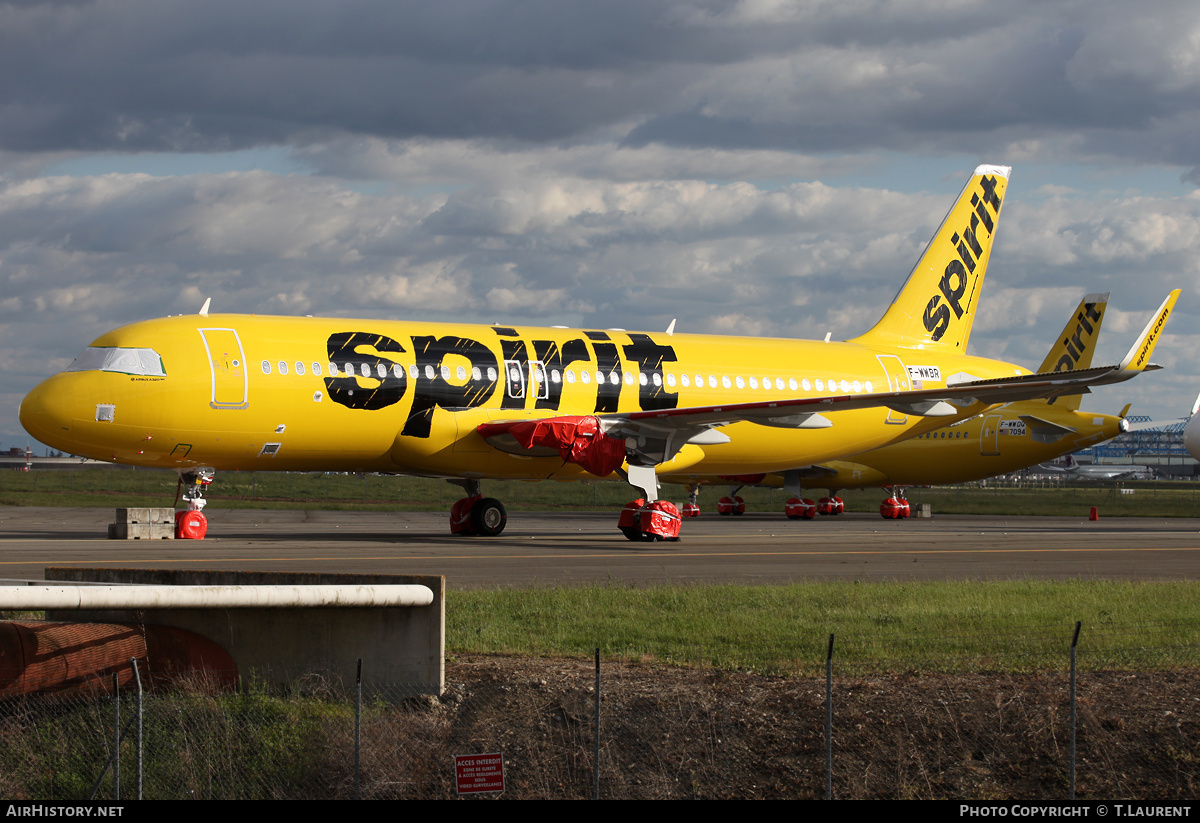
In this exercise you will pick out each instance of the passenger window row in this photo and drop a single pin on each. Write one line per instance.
(585, 376)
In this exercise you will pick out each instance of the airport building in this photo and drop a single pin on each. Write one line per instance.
(1160, 447)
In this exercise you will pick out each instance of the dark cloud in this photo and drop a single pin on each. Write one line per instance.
(173, 76)
(555, 161)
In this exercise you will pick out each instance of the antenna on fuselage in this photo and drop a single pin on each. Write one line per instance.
(204, 308)
(671, 328)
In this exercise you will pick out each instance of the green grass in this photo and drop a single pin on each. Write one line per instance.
(1014, 625)
(289, 490)
(936, 625)
(249, 745)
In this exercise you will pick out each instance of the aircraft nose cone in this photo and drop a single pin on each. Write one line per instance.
(1191, 436)
(46, 412)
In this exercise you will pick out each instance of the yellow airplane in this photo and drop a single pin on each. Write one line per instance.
(1003, 439)
(202, 393)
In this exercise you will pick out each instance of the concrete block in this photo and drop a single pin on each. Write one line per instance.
(141, 531)
(146, 515)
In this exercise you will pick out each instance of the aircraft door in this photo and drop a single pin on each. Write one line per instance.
(539, 383)
(989, 435)
(514, 378)
(227, 365)
(897, 377)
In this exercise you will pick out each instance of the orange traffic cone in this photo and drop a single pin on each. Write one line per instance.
(1095, 515)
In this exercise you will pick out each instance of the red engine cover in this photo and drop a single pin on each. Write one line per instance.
(579, 440)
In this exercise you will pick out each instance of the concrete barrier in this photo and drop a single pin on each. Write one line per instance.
(280, 626)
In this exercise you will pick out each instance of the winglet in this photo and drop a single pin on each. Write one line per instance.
(1196, 405)
(1139, 356)
(204, 309)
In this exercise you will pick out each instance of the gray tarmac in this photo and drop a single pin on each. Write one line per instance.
(540, 548)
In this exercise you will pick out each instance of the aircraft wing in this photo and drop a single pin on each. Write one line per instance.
(1108, 474)
(601, 443)
(939, 402)
(648, 438)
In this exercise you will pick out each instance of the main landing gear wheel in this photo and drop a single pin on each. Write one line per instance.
(478, 516)
(692, 507)
(643, 522)
(895, 508)
(797, 508)
(731, 505)
(831, 505)
(488, 517)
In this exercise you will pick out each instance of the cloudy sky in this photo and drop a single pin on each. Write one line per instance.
(760, 167)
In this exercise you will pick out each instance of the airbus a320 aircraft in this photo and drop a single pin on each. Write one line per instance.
(203, 393)
(1003, 439)
(1099, 472)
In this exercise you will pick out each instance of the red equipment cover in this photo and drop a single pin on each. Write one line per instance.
(579, 440)
(190, 525)
(660, 519)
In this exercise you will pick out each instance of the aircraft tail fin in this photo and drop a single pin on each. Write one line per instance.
(935, 308)
(1073, 348)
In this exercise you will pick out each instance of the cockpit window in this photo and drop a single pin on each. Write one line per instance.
(144, 362)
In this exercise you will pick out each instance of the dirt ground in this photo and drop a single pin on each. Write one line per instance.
(670, 732)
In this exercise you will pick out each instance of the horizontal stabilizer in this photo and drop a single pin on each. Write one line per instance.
(1044, 431)
(1146, 425)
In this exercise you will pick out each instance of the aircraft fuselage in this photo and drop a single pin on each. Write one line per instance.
(252, 392)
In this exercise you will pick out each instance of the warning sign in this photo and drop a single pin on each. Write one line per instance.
(479, 772)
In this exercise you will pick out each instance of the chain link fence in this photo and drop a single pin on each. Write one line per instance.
(930, 725)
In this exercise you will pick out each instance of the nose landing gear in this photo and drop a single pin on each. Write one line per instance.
(191, 524)
(895, 507)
